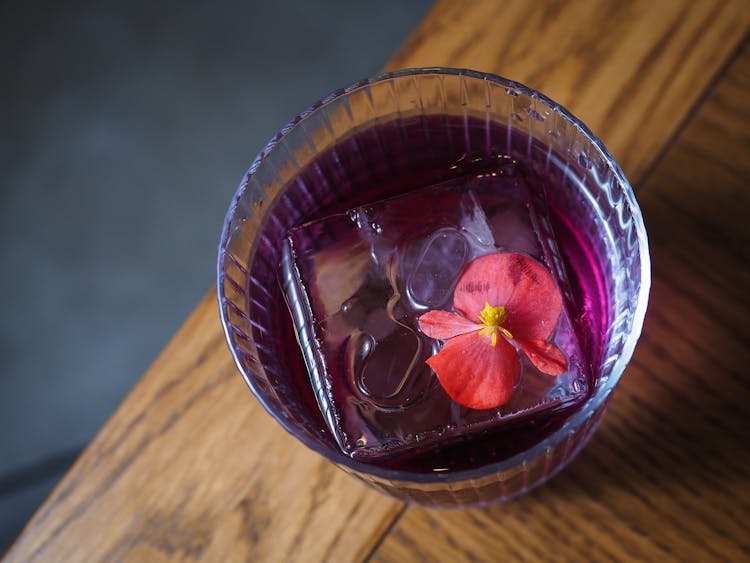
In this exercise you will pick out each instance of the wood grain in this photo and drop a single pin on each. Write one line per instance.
(190, 466)
(667, 476)
(628, 69)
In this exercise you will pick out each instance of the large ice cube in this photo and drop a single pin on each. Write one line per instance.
(358, 282)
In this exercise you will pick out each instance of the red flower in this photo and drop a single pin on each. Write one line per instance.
(504, 301)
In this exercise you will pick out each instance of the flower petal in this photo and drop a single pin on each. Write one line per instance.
(520, 284)
(444, 325)
(547, 357)
(474, 373)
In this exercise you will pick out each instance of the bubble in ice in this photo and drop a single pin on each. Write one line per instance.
(432, 275)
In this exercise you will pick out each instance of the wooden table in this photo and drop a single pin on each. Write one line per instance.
(191, 467)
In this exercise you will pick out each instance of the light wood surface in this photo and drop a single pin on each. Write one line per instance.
(667, 475)
(190, 467)
(631, 70)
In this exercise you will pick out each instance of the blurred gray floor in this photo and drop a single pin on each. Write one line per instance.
(124, 130)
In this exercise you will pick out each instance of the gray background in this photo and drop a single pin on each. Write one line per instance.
(126, 127)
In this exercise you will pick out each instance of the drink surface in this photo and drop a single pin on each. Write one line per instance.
(397, 158)
(362, 279)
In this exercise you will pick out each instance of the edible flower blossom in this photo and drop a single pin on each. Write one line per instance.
(504, 302)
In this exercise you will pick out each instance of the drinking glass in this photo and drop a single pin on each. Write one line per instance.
(600, 208)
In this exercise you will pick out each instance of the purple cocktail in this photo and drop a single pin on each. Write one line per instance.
(362, 218)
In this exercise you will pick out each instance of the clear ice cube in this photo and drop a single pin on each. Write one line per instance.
(358, 282)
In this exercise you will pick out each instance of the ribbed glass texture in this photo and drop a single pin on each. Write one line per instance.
(272, 198)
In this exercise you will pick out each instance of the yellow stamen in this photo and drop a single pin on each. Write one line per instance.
(491, 318)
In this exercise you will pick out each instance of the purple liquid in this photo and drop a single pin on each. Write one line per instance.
(400, 157)
(359, 281)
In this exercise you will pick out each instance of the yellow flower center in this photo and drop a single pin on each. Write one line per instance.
(491, 318)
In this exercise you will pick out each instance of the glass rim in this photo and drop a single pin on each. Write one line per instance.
(577, 419)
